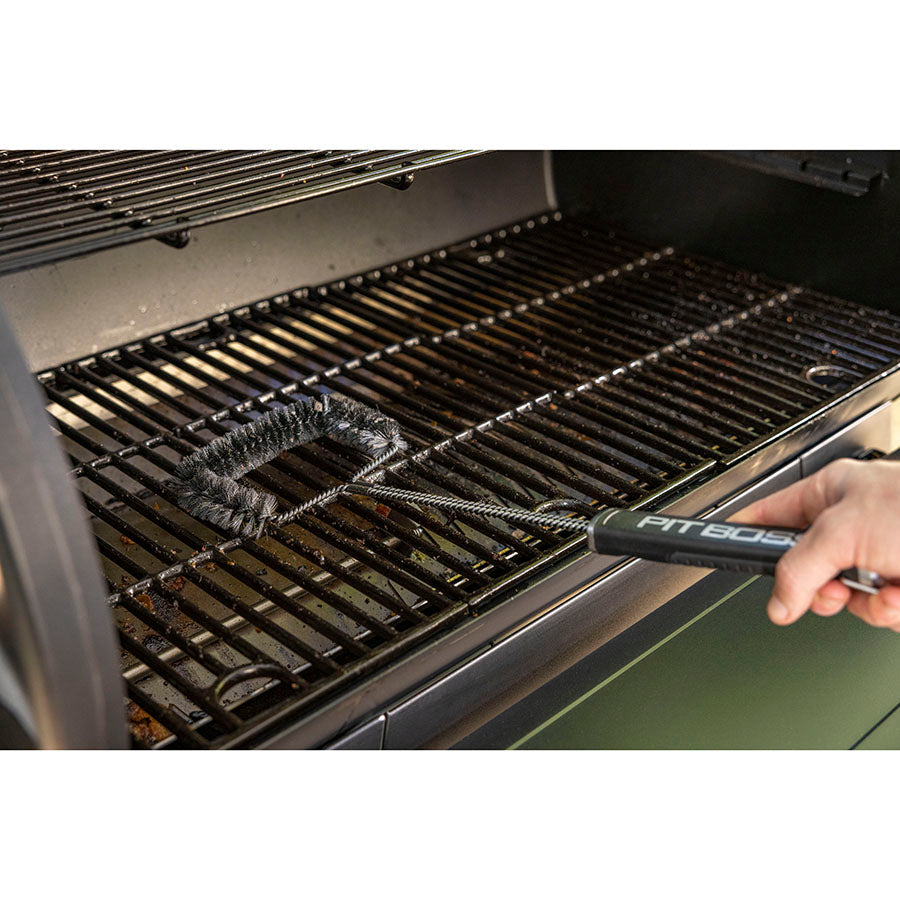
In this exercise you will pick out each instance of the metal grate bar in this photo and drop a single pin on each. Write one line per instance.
(145, 608)
(260, 553)
(44, 199)
(142, 707)
(143, 206)
(342, 473)
(53, 207)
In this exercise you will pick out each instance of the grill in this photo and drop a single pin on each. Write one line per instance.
(554, 363)
(58, 204)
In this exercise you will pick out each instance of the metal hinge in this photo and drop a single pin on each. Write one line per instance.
(833, 171)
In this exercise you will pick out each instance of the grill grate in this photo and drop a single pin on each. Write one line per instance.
(551, 359)
(56, 204)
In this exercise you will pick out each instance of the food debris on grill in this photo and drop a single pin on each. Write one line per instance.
(155, 643)
(143, 726)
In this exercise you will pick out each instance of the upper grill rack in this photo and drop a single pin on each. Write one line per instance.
(56, 204)
(549, 359)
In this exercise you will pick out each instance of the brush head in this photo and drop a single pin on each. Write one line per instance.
(366, 429)
(225, 503)
(206, 485)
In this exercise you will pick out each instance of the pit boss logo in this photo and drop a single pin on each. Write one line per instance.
(719, 531)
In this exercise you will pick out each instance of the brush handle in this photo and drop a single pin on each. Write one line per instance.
(701, 542)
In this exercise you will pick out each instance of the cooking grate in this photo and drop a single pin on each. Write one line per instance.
(551, 359)
(56, 204)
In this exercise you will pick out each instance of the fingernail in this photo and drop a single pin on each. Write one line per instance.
(777, 611)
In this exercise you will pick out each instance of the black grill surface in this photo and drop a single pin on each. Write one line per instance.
(551, 359)
(56, 204)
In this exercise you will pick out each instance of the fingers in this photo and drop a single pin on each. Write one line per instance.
(881, 610)
(830, 599)
(890, 596)
(807, 569)
(852, 510)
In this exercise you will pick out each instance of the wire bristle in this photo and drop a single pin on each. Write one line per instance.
(206, 486)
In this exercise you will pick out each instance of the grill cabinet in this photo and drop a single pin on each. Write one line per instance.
(555, 360)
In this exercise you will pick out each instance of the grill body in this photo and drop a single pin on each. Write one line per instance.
(533, 351)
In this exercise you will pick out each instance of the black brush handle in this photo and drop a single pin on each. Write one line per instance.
(705, 543)
(690, 542)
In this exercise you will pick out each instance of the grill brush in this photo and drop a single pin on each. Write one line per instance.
(206, 488)
(206, 484)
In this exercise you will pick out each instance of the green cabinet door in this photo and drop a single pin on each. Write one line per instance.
(728, 678)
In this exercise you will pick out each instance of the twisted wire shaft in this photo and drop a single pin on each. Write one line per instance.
(453, 504)
(328, 495)
(512, 514)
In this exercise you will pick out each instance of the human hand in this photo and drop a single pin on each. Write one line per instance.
(852, 509)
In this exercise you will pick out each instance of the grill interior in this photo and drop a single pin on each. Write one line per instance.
(63, 203)
(551, 359)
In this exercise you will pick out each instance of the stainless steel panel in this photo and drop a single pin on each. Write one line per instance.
(365, 737)
(871, 432)
(768, 485)
(453, 707)
(58, 642)
(369, 737)
(730, 679)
